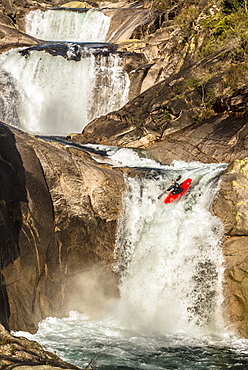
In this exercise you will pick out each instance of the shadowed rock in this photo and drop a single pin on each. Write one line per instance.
(61, 208)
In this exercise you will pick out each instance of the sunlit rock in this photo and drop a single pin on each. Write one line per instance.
(231, 207)
(25, 354)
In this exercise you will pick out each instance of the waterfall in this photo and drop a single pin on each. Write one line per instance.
(170, 257)
(170, 262)
(67, 25)
(53, 95)
(57, 89)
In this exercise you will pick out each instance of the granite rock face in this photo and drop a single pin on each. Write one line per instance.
(59, 210)
(231, 207)
(167, 121)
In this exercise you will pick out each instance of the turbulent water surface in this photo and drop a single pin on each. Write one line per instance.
(79, 340)
(169, 258)
(52, 95)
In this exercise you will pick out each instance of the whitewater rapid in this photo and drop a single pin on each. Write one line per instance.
(79, 340)
(169, 258)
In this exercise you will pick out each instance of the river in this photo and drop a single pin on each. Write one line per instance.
(169, 314)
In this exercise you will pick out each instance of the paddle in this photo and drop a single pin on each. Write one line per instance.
(177, 179)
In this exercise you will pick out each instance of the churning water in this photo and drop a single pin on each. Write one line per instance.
(79, 340)
(169, 258)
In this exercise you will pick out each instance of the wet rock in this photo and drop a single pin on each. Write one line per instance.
(10, 38)
(21, 353)
(72, 50)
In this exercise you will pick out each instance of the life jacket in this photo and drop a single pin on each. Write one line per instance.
(176, 189)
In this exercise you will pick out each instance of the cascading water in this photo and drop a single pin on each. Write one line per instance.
(173, 252)
(53, 95)
(67, 25)
(58, 88)
(169, 258)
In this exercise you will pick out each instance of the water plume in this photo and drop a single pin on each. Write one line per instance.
(92, 292)
(170, 258)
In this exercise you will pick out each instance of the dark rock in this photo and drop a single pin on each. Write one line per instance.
(59, 212)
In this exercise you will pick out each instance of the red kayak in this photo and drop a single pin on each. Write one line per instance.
(171, 197)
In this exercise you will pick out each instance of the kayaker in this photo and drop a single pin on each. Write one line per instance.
(175, 188)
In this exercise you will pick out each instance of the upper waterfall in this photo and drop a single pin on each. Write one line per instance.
(67, 25)
(58, 88)
(56, 95)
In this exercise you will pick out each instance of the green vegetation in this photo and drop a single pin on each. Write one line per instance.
(163, 5)
(192, 83)
(231, 6)
(186, 19)
(224, 27)
(223, 22)
(234, 74)
(219, 30)
(166, 115)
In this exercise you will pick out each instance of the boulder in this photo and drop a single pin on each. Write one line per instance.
(23, 354)
(10, 38)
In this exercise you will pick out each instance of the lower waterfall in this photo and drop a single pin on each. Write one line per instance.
(170, 255)
(169, 258)
(57, 95)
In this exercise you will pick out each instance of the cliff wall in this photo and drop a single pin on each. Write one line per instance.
(58, 223)
(192, 106)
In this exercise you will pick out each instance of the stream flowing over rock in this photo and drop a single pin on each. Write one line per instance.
(59, 208)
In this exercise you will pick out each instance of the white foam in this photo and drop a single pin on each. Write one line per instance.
(56, 96)
(66, 25)
(170, 255)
